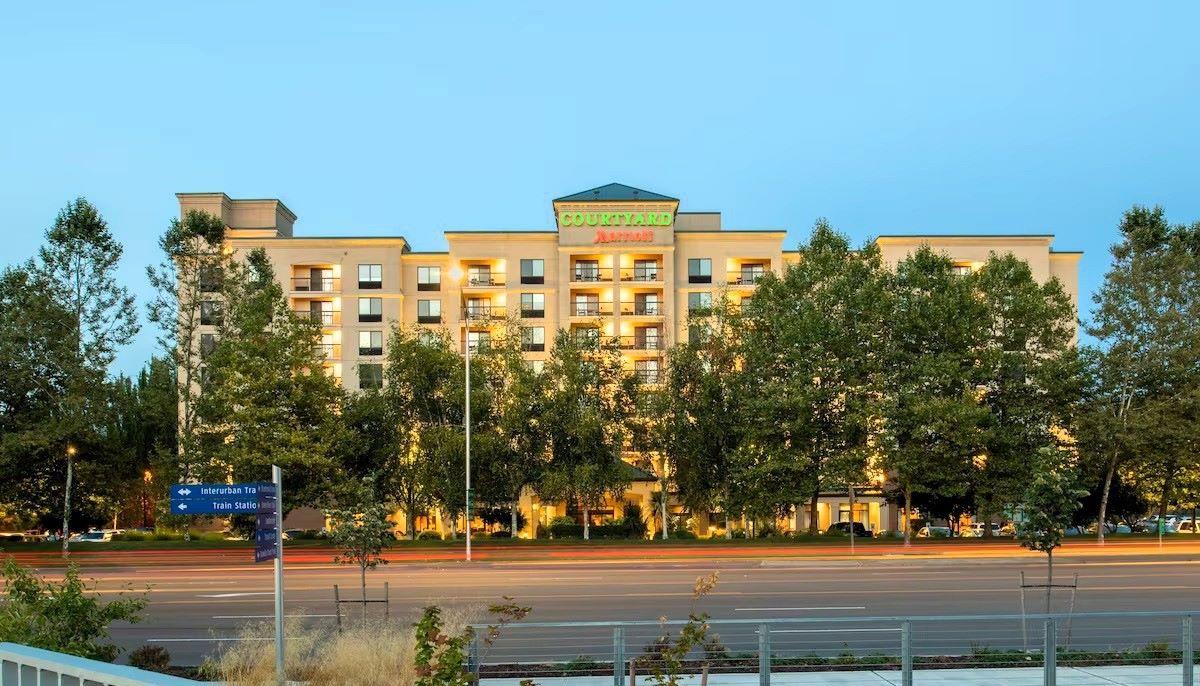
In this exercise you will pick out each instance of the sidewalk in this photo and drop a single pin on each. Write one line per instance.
(1136, 675)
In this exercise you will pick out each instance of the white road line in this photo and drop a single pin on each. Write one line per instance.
(796, 609)
(235, 595)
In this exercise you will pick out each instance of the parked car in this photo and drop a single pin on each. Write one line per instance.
(18, 536)
(1150, 524)
(928, 531)
(95, 536)
(843, 529)
(1112, 528)
(976, 530)
(1187, 526)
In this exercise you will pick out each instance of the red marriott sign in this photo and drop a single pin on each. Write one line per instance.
(624, 236)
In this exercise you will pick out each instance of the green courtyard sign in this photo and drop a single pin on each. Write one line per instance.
(614, 218)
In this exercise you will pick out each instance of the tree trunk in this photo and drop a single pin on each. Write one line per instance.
(66, 527)
(1164, 498)
(728, 533)
(410, 520)
(907, 518)
(516, 503)
(1102, 516)
(813, 521)
(662, 508)
(1049, 577)
(587, 524)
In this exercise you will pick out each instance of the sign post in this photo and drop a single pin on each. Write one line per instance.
(264, 500)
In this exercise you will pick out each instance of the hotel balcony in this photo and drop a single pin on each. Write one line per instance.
(315, 284)
(591, 308)
(591, 274)
(642, 343)
(322, 317)
(648, 377)
(483, 279)
(330, 351)
(477, 313)
(642, 274)
(635, 308)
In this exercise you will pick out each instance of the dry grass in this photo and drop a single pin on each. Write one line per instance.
(371, 653)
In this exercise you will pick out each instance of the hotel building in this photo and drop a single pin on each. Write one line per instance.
(625, 261)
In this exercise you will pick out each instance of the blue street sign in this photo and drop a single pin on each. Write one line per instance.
(265, 552)
(264, 536)
(222, 499)
(265, 521)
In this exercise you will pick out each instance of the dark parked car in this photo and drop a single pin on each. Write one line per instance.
(843, 529)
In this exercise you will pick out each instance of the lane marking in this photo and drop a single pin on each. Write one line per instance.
(797, 609)
(236, 595)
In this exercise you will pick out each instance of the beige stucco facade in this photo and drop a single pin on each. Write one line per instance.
(622, 260)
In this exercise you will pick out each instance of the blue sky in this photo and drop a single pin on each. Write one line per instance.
(411, 118)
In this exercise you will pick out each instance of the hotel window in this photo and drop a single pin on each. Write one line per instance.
(479, 340)
(210, 312)
(645, 270)
(536, 366)
(370, 276)
(699, 270)
(533, 305)
(647, 338)
(533, 339)
(587, 270)
(322, 312)
(429, 311)
(647, 304)
(370, 342)
(587, 335)
(211, 278)
(428, 337)
(586, 305)
(208, 342)
(699, 300)
(646, 370)
(533, 271)
(429, 278)
(370, 376)
(751, 273)
(370, 309)
(961, 269)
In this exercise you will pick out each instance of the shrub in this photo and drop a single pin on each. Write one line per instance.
(685, 534)
(65, 617)
(500, 534)
(429, 536)
(152, 658)
(564, 527)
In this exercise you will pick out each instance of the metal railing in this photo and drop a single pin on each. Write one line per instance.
(642, 343)
(1161, 644)
(591, 274)
(590, 308)
(484, 279)
(24, 666)
(310, 284)
(642, 274)
(323, 317)
(642, 308)
(484, 312)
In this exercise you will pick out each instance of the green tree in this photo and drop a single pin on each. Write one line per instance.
(77, 265)
(65, 617)
(360, 529)
(812, 347)
(266, 399)
(589, 401)
(187, 297)
(1047, 507)
(1147, 325)
(1030, 375)
(700, 413)
(932, 428)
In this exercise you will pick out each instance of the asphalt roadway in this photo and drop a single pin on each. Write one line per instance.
(198, 607)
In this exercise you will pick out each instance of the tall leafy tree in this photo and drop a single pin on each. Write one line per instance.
(589, 401)
(265, 398)
(1147, 324)
(187, 297)
(1030, 375)
(700, 413)
(812, 346)
(932, 423)
(77, 265)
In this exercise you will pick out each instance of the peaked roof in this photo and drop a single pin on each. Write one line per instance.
(613, 192)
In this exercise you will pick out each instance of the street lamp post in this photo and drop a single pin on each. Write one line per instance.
(457, 275)
(66, 527)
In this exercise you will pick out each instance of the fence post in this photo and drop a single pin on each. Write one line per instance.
(473, 658)
(1185, 644)
(906, 677)
(1050, 655)
(618, 655)
(764, 655)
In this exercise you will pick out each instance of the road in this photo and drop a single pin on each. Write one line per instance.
(196, 609)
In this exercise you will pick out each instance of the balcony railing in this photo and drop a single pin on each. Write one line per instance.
(648, 376)
(747, 278)
(642, 309)
(591, 309)
(313, 284)
(641, 274)
(477, 313)
(331, 351)
(642, 343)
(484, 279)
(591, 274)
(322, 317)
